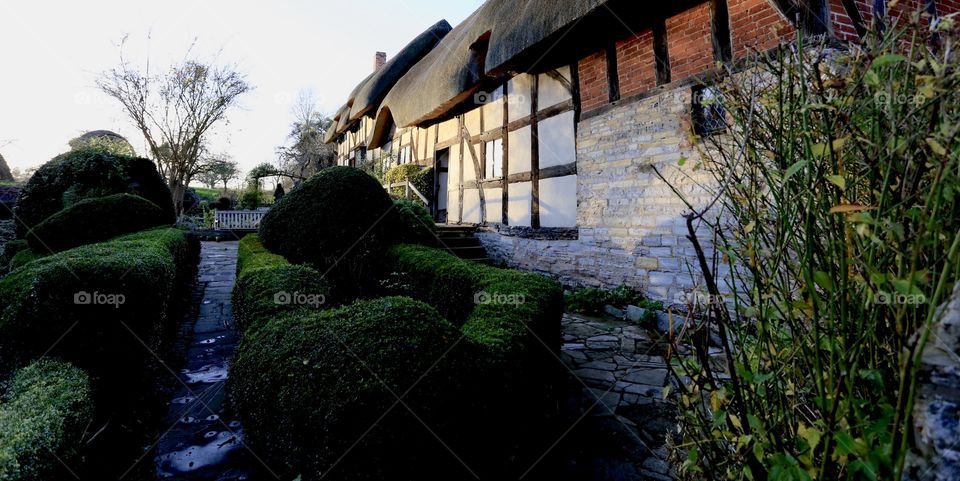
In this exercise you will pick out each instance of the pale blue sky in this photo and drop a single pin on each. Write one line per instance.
(51, 52)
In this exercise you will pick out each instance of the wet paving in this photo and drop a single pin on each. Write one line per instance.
(204, 442)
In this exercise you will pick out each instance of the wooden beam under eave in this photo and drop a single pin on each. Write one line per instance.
(535, 154)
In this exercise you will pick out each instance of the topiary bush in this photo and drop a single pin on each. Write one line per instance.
(42, 421)
(268, 286)
(88, 173)
(95, 220)
(511, 320)
(339, 220)
(415, 224)
(10, 250)
(311, 384)
(79, 290)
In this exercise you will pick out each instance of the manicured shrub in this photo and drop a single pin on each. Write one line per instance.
(339, 220)
(310, 384)
(42, 420)
(79, 290)
(415, 224)
(95, 220)
(268, 286)
(23, 258)
(10, 250)
(511, 321)
(88, 173)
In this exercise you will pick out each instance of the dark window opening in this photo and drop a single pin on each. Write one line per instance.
(613, 75)
(709, 115)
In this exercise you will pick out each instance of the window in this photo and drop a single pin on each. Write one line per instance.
(361, 153)
(709, 116)
(406, 155)
(493, 160)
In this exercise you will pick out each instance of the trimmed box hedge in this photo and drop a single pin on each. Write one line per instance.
(267, 285)
(310, 384)
(512, 321)
(76, 294)
(42, 420)
(88, 173)
(95, 220)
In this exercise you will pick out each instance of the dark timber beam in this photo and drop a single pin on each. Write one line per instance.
(722, 43)
(660, 52)
(534, 154)
(855, 16)
(613, 74)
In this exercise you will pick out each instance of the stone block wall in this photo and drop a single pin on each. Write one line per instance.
(631, 230)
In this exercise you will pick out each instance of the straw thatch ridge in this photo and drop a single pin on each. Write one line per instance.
(483, 47)
(344, 123)
(372, 92)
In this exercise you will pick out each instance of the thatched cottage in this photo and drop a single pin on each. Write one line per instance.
(541, 119)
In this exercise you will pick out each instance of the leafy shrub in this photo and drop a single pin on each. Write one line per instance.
(421, 178)
(310, 384)
(11, 249)
(70, 291)
(42, 420)
(415, 224)
(224, 202)
(268, 286)
(841, 232)
(511, 321)
(339, 220)
(251, 199)
(83, 174)
(23, 258)
(590, 300)
(95, 220)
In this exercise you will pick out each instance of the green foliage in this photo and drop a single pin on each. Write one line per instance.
(590, 300)
(23, 257)
(841, 229)
(510, 321)
(83, 174)
(78, 290)
(251, 199)
(415, 224)
(339, 220)
(268, 286)
(421, 178)
(310, 384)
(108, 144)
(42, 420)
(209, 195)
(95, 220)
(11, 249)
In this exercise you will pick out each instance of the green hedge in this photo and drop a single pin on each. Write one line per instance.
(10, 250)
(42, 420)
(340, 220)
(416, 225)
(310, 384)
(88, 173)
(511, 320)
(47, 298)
(421, 178)
(95, 220)
(266, 281)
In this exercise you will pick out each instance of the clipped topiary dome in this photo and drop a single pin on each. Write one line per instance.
(340, 218)
(84, 174)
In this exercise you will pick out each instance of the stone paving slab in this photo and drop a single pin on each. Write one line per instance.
(205, 442)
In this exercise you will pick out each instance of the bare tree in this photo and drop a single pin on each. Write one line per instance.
(305, 152)
(175, 110)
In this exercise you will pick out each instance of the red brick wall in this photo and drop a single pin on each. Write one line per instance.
(635, 64)
(840, 22)
(594, 89)
(755, 25)
(689, 42)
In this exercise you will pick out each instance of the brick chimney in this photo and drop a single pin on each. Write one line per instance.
(379, 59)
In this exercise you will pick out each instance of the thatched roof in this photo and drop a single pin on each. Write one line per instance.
(484, 46)
(343, 122)
(372, 91)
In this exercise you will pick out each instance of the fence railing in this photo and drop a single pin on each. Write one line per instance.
(408, 189)
(238, 219)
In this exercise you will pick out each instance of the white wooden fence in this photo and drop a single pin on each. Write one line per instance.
(408, 189)
(238, 219)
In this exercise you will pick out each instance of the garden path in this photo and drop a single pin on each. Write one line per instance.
(204, 441)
